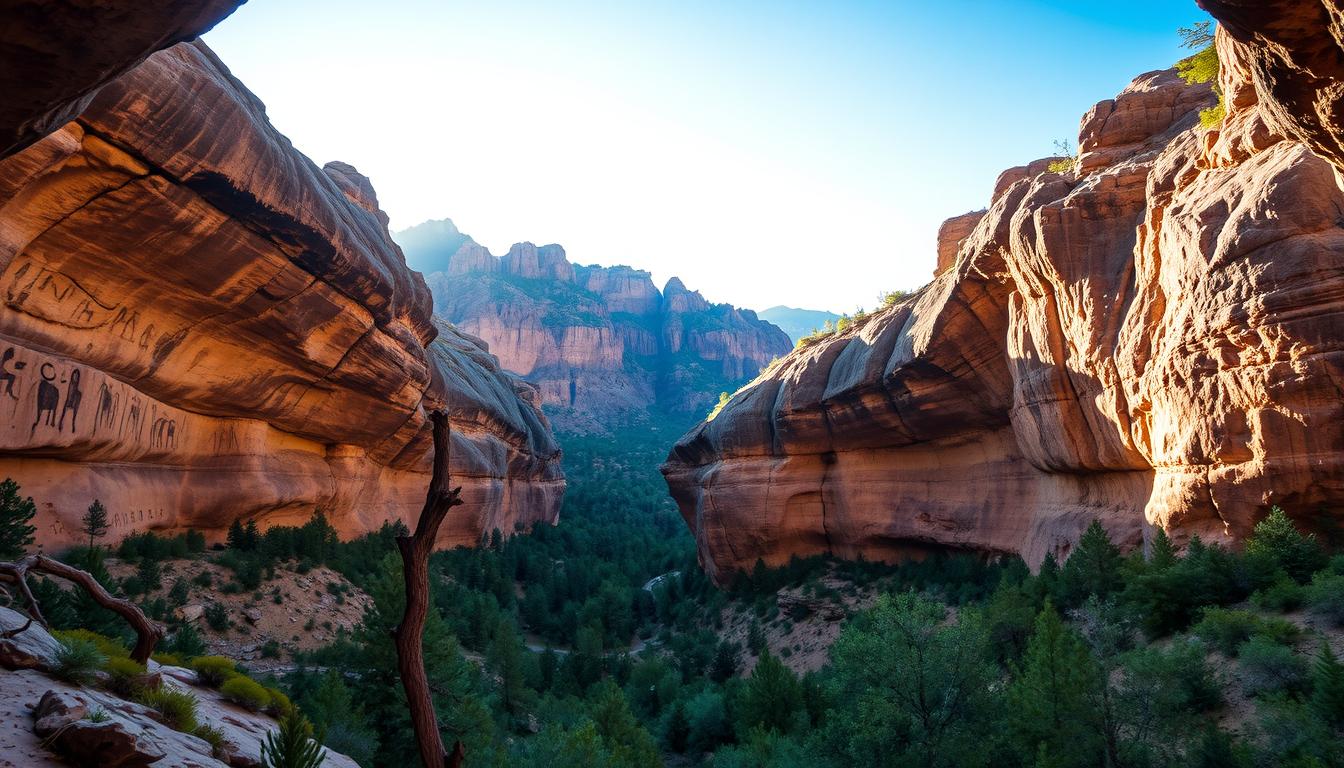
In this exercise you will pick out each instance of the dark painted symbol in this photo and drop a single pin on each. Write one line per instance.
(107, 408)
(163, 433)
(48, 398)
(7, 376)
(73, 396)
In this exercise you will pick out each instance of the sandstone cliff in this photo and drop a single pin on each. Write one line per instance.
(202, 325)
(1151, 340)
(602, 343)
(56, 54)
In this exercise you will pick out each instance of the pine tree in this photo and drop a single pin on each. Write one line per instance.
(292, 746)
(755, 637)
(1049, 695)
(94, 523)
(1277, 541)
(235, 537)
(1162, 553)
(724, 665)
(772, 696)
(1327, 689)
(251, 537)
(1092, 569)
(16, 512)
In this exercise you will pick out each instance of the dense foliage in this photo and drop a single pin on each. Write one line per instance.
(600, 643)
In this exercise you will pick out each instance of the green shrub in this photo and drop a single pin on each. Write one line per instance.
(1226, 629)
(217, 616)
(214, 671)
(246, 693)
(110, 647)
(270, 649)
(1269, 667)
(1325, 597)
(178, 708)
(212, 736)
(1282, 596)
(125, 677)
(77, 661)
(186, 643)
(168, 659)
(279, 705)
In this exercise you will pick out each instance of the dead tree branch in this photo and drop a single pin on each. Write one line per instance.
(409, 634)
(147, 633)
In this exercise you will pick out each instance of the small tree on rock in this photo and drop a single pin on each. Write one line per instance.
(94, 523)
(16, 512)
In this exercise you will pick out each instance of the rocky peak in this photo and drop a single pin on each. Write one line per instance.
(678, 299)
(545, 263)
(601, 343)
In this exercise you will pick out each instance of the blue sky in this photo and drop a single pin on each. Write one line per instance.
(801, 153)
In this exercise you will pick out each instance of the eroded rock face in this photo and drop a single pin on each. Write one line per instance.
(1293, 51)
(1149, 341)
(200, 325)
(56, 54)
(602, 343)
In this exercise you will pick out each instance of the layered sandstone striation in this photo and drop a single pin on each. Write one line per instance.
(603, 344)
(56, 54)
(201, 325)
(1151, 340)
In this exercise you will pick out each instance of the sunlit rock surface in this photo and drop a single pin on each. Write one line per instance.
(1152, 341)
(603, 345)
(201, 325)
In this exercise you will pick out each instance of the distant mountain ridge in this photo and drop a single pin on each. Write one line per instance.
(602, 344)
(797, 323)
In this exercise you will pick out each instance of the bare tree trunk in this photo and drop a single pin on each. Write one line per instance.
(408, 635)
(148, 633)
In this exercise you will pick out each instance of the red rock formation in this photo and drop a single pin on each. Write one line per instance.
(602, 343)
(1151, 341)
(201, 325)
(56, 54)
(1293, 52)
(951, 235)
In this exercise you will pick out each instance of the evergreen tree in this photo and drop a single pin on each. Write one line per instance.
(16, 512)
(292, 746)
(755, 638)
(912, 689)
(1327, 689)
(94, 523)
(235, 537)
(1276, 541)
(1048, 699)
(251, 537)
(149, 574)
(1094, 568)
(628, 743)
(1162, 553)
(724, 665)
(772, 697)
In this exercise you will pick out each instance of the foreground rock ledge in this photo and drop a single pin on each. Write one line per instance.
(1151, 341)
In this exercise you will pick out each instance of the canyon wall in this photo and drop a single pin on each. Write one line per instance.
(602, 343)
(1151, 339)
(201, 325)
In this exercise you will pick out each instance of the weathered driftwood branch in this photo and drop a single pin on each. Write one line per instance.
(409, 634)
(147, 633)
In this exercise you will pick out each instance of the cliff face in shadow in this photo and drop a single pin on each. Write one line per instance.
(603, 344)
(201, 325)
(1150, 339)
